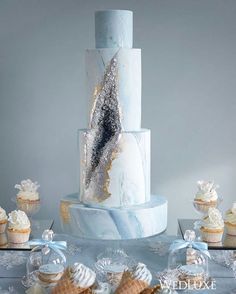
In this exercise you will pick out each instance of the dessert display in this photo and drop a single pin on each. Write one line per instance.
(3, 220)
(27, 198)
(50, 273)
(114, 150)
(18, 230)
(76, 279)
(212, 226)
(230, 220)
(135, 281)
(206, 196)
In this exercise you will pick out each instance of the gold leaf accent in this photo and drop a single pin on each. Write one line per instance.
(64, 211)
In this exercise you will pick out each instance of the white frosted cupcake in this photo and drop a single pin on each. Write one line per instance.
(206, 196)
(18, 227)
(212, 226)
(28, 198)
(3, 220)
(230, 220)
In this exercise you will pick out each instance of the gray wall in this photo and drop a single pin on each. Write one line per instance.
(188, 98)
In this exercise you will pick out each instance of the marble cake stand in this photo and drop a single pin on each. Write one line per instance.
(125, 223)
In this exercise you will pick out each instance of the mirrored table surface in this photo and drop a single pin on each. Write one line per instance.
(228, 241)
(37, 228)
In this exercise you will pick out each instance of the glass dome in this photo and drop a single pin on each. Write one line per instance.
(45, 252)
(190, 259)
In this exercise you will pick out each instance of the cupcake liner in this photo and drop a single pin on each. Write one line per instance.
(28, 206)
(231, 229)
(203, 206)
(18, 237)
(213, 236)
(3, 239)
(3, 225)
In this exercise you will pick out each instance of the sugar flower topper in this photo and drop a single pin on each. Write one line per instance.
(28, 185)
(207, 186)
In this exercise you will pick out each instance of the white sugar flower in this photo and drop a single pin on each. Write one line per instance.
(28, 186)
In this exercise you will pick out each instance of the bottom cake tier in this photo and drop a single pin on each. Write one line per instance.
(131, 222)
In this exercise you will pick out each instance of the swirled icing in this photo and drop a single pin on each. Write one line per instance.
(213, 220)
(28, 190)
(140, 272)
(230, 215)
(3, 215)
(18, 220)
(206, 191)
(82, 276)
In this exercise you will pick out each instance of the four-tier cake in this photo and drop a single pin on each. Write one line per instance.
(114, 200)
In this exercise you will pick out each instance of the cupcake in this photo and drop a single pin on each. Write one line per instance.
(230, 241)
(50, 273)
(76, 279)
(212, 226)
(3, 240)
(230, 220)
(206, 196)
(192, 275)
(27, 198)
(135, 281)
(18, 227)
(3, 220)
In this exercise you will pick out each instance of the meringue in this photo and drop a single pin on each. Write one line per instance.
(141, 272)
(82, 276)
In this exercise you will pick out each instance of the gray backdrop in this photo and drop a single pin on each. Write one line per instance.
(188, 97)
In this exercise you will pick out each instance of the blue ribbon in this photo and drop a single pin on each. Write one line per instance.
(180, 244)
(57, 246)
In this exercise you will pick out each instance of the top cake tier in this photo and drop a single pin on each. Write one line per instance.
(114, 29)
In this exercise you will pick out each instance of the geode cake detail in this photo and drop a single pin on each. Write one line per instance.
(127, 179)
(101, 142)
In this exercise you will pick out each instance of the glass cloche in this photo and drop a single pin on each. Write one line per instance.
(45, 252)
(190, 259)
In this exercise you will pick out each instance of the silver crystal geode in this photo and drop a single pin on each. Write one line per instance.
(105, 126)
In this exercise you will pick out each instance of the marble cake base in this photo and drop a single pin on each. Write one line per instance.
(131, 222)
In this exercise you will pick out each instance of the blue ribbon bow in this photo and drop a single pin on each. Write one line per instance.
(180, 244)
(57, 246)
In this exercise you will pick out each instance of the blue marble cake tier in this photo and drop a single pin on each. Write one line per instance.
(133, 222)
(114, 28)
(119, 174)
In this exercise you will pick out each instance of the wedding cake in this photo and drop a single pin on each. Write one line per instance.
(114, 200)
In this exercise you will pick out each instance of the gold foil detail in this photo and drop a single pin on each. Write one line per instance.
(64, 211)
